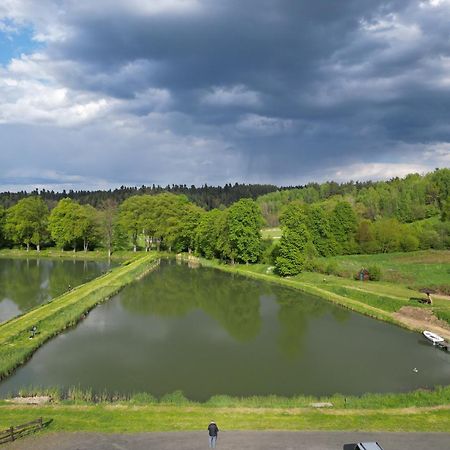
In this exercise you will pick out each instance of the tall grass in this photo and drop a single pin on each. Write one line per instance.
(439, 396)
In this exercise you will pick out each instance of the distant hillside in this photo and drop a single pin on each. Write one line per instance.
(207, 197)
(408, 199)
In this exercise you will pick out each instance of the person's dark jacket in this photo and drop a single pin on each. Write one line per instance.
(213, 429)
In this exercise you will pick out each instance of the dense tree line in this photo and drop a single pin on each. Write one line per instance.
(409, 199)
(163, 221)
(207, 197)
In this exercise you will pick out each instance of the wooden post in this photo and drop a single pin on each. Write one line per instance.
(40, 422)
(11, 431)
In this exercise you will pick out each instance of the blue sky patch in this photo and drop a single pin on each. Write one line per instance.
(15, 41)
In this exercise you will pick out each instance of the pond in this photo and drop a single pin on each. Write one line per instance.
(26, 283)
(206, 332)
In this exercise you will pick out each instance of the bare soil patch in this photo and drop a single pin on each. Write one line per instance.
(38, 400)
(423, 319)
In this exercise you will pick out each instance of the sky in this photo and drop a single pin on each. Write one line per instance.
(99, 94)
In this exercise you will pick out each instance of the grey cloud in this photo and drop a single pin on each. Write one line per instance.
(288, 88)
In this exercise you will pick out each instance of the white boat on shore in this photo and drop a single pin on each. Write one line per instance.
(433, 337)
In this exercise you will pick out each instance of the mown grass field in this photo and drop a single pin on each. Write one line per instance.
(413, 411)
(62, 312)
(120, 418)
(422, 269)
(272, 233)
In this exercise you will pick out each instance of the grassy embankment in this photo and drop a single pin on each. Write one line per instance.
(415, 411)
(64, 311)
(51, 252)
(378, 299)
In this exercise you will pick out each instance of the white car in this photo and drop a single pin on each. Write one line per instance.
(363, 446)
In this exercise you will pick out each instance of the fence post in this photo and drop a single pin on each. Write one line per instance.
(40, 422)
(11, 431)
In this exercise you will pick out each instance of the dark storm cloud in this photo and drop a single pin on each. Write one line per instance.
(273, 46)
(291, 88)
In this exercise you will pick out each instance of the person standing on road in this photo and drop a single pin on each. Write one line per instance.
(213, 430)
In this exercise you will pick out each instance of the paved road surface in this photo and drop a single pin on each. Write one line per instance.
(229, 440)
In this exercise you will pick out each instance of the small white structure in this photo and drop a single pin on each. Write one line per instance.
(433, 337)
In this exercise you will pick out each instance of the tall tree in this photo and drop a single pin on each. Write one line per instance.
(183, 237)
(293, 242)
(130, 218)
(89, 226)
(244, 228)
(26, 222)
(107, 221)
(148, 219)
(343, 224)
(442, 180)
(207, 233)
(168, 211)
(320, 231)
(67, 223)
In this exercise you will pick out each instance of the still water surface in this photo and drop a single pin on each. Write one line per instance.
(26, 283)
(207, 332)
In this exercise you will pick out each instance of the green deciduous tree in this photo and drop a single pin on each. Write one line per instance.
(365, 237)
(441, 178)
(320, 231)
(89, 226)
(107, 215)
(295, 237)
(343, 224)
(208, 232)
(387, 233)
(244, 224)
(185, 232)
(68, 223)
(168, 212)
(130, 218)
(26, 222)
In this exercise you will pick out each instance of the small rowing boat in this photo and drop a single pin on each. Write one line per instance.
(433, 337)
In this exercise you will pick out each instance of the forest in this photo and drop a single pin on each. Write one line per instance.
(207, 197)
(316, 220)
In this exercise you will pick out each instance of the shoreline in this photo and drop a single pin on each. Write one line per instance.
(376, 313)
(64, 311)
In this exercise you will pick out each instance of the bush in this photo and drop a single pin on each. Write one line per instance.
(374, 273)
(331, 268)
(409, 243)
(143, 398)
(175, 398)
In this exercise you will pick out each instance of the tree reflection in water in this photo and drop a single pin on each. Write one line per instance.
(232, 300)
(31, 282)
